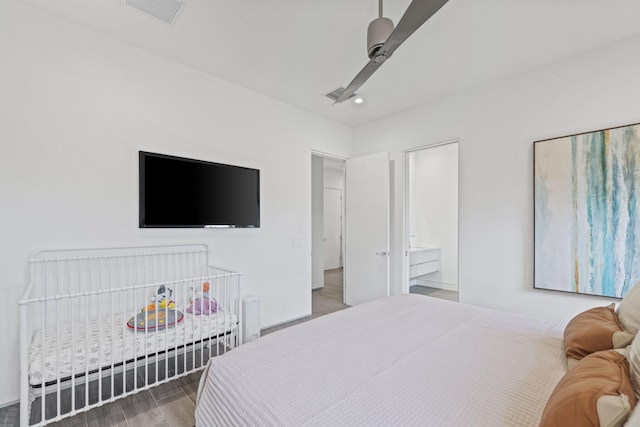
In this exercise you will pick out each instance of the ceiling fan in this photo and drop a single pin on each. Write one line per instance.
(383, 39)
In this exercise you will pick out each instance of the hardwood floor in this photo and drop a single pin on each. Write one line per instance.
(433, 292)
(324, 300)
(169, 404)
(329, 298)
(173, 404)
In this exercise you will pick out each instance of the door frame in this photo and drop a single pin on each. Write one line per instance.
(405, 216)
(343, 223)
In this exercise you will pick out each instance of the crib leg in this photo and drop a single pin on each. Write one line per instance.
(26, 400)
(26, 394)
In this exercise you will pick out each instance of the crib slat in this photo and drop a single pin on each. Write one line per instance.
(73, 358)
(59, 359)
(100, 350)
(42, 370)
(166, 329)
(124, 356)
(155, 342)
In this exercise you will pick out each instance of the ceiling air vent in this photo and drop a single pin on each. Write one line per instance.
(165, 10)
(335, 94)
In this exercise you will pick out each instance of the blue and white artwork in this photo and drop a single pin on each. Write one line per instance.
(587, 212)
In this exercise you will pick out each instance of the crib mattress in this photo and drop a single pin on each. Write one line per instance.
(70, 350)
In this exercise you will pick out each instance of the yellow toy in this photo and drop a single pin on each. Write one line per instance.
(160, 300)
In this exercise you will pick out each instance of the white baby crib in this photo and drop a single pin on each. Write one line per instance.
(81, 346)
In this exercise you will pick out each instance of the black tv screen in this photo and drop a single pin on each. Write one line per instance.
(184, 193)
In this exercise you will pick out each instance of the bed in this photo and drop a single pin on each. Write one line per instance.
(403, 360)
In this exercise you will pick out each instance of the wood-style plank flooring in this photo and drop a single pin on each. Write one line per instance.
(169, 404)
(173, 404)
(433, 292)
(324, 300)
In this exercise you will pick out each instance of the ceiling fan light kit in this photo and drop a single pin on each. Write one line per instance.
(378, 32)
(383, 39)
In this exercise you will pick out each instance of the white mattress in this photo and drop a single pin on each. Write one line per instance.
(406, 360)
(112, 342)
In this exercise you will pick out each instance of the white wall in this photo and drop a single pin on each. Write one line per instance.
(75, 108)
(497, 125)
(434, 203)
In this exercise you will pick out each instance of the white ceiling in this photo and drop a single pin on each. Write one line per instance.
(298, 50)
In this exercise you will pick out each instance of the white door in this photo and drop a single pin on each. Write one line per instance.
(332, 228)
(367, 228)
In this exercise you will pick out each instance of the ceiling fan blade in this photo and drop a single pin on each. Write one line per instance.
(418, 12)
(359, 80)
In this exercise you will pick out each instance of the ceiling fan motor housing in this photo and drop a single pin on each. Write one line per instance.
(377, 34)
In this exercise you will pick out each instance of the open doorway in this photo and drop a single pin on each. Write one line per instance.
(327, 245)
(432, 221)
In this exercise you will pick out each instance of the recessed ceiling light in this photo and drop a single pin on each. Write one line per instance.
(358, 100)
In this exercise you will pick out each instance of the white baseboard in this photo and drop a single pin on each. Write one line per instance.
(286, 321)
(5, 404)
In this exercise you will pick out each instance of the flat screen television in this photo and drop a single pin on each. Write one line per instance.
(185, 193)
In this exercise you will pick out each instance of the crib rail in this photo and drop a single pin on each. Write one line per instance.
(91, 334)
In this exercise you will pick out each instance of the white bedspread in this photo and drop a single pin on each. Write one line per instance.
(112, 342)
(401, 361)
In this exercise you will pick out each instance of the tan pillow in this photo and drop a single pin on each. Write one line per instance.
(597, 391)
(629, 310)
(593, 330)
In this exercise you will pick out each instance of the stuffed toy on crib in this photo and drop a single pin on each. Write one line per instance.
(202, 304)
(161, 301)
(160, 313)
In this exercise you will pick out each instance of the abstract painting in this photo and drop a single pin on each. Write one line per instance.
(587, 212)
